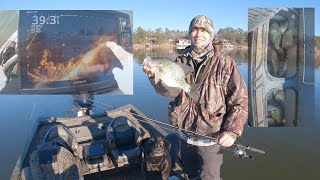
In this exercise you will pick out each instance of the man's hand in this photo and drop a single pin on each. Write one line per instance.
(226, 140)
(123, 56)
(3, 78)
(123, 77)
(148, 71)
(6, 69)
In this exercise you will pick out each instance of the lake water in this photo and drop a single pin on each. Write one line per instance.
(292, 153)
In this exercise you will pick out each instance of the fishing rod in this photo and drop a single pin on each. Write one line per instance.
(159, 122)
(239, 151)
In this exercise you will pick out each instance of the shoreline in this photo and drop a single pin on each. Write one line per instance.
(141, 46)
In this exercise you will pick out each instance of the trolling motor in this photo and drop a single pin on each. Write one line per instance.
(84, 104)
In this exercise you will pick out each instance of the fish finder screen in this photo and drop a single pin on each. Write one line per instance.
(59, 50)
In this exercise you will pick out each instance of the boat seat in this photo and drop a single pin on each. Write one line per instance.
(62, 136)
(56, 157)
(124, 137)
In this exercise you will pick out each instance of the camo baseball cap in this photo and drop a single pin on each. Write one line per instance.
(202, 21)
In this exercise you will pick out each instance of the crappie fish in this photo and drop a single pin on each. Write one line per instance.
(172, 74)
(275, 34)
(275, 112)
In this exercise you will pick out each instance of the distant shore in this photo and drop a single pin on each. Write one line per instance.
(141, 46)
(317, 58)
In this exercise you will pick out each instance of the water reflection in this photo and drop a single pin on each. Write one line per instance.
(317, 59)
(239, 55)
(141, 53)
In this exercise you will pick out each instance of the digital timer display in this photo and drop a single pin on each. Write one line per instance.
(45, 20)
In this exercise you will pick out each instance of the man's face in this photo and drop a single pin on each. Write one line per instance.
(200, 37)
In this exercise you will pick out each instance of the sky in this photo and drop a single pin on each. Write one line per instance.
(172, 14)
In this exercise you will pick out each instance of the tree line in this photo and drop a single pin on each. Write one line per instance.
(162, 36)
(159, 36)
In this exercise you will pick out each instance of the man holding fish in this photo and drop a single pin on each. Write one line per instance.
(210, 99)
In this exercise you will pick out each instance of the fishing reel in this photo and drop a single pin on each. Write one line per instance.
(240, 151)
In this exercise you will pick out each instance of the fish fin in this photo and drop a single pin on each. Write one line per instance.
(194, 94)
(156, 79)
(147, 60)
(172, 90)
(186, 69)
(155, 70)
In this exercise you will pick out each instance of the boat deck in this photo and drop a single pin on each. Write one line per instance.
(89, 130)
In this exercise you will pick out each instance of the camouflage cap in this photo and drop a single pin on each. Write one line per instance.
(202, 21)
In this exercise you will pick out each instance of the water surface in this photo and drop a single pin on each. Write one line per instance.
(292, 153)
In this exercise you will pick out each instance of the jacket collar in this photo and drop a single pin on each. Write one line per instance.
(188, 53)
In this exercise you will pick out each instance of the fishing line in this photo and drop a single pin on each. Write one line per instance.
(107, 105)
(72, 111)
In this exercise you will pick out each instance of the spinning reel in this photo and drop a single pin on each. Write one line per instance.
(240, 151)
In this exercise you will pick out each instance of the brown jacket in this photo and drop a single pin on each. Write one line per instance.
(223, 102)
